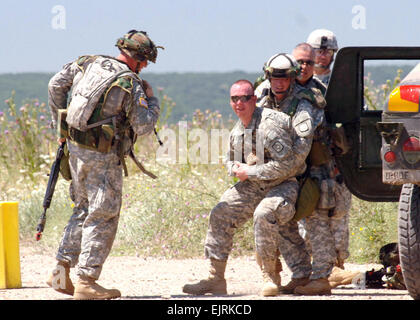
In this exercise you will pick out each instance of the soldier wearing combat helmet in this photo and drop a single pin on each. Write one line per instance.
(325, 44)
(307, 114)
(110, 106)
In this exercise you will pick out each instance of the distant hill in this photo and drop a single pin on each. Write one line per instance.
(190, 91)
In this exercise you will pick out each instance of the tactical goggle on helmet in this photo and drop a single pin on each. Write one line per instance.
(138, 45)
(323, 39)
(281, 65)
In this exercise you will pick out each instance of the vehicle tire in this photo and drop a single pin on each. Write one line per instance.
(409, 237)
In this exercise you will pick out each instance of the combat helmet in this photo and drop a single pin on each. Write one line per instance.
(281, 65)
(323, 39)
(138, 45)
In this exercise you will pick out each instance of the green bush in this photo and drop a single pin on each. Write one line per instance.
(25, 140)
(372, 225)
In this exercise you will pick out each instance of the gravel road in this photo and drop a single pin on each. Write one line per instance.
(140, 278)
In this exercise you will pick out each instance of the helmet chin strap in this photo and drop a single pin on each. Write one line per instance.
(324, 67)
(283, 92)
(280, 92)
(137, 69)
(321, 66)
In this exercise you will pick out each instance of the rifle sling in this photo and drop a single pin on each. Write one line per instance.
(138, 163)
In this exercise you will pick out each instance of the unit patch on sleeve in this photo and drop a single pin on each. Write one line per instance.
(143, 102)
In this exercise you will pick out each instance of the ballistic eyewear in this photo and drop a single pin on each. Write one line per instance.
(328, 52)
(241, 98)
(307, 62)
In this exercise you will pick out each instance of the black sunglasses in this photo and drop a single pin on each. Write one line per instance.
(241, 98)
(307, 62)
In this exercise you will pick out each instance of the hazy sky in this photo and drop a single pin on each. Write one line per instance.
(200, 35)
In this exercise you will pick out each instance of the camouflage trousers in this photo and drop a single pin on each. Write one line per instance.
(268, 205)
(339, 223)
(96, 190)
(294, 251)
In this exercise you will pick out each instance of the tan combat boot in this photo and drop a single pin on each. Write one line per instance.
(278, 269)
(88, 289)
(214, 284)
(271, 278)
(339, 277)
(315, 287)
(293, 284)
(59, 279)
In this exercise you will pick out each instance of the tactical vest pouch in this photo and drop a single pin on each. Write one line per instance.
(327, 196)
(106, 135)
(65, 164)
(339, 139)
(319, 154)
(342, 200)
(307, 200)
(98, 139)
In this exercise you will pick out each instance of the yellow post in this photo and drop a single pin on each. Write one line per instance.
(3, 284)
(9, 246)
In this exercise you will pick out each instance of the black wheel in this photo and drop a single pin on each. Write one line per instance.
(409, 237)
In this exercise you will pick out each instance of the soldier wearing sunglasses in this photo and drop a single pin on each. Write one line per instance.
(339, 197)
(305, 56)
(260, 155)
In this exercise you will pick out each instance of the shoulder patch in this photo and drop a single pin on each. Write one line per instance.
(277, 147)
(303, 125)
(143, 103)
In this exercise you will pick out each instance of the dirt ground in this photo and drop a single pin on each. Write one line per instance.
(141, 278)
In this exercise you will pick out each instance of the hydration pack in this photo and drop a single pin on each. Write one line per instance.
(88, 90)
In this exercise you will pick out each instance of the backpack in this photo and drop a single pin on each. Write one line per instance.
(88, 90)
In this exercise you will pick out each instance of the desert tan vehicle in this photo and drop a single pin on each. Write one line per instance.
(383, 161)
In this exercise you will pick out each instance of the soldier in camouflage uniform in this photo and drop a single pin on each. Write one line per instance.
(325, 45)
(122, 107)
(305, 106)
(304, 54)
(260, 156)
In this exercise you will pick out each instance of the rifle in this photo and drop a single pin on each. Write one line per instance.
(53, 177)
(157, 137)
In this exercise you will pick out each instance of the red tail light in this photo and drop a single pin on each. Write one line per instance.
(411, 150)
(390, 156)
(412, 144)
(410, 93)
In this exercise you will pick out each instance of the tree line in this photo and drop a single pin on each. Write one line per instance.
(190, 91)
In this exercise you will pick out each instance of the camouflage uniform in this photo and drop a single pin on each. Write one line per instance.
(291, 244)
(339, 216)
(324, 78)
(269, 194)
(97, 176)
